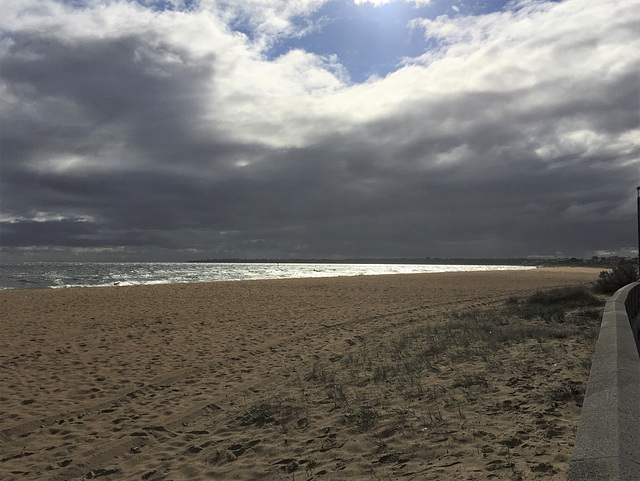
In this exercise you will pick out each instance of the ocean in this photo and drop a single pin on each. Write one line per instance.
(30, 275)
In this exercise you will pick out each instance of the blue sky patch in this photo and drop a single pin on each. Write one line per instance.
(369, 40)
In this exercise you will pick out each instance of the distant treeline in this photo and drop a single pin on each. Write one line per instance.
(603, 262)
(400, 260)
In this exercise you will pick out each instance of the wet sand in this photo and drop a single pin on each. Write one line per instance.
(238, 380)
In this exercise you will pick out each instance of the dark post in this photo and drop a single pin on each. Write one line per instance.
(638, 232)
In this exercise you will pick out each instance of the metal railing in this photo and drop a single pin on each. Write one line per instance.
(608, 440)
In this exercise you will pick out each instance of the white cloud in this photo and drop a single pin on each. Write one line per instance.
(524, 95)
(379, 3)
(266, 19)
(375, 3)
(539, 49)
(42, 217)
(517, 49)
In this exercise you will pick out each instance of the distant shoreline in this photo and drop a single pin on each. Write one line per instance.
(598, 262)
(428, 261)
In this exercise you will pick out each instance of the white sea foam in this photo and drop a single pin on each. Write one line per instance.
(94, 274)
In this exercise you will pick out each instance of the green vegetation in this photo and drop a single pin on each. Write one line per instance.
(444, 384)
(554, 304)
(623, 273)
(401, 364)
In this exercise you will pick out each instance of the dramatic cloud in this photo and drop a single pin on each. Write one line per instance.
(179, 130)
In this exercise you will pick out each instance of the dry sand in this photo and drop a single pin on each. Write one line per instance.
(266, 380)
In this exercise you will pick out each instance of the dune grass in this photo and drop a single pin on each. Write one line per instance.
(453, 386)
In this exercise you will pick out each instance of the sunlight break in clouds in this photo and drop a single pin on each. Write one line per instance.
(166, 125)
(378, 3)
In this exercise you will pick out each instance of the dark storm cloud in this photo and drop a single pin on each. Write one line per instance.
(46, 233)
(134, 84)
(156, 148)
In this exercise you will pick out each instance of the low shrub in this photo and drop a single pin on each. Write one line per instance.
(568, 297)
(552, 305)
(623, 273)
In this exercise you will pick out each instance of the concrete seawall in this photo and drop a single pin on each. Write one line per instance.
(608, 439)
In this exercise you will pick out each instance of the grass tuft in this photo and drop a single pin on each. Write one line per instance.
(435, 375)
(363, 419)
(553, 305)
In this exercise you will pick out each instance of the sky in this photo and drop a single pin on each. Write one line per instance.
(194, 129)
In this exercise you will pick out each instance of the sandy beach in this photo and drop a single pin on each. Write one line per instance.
(290, 379)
